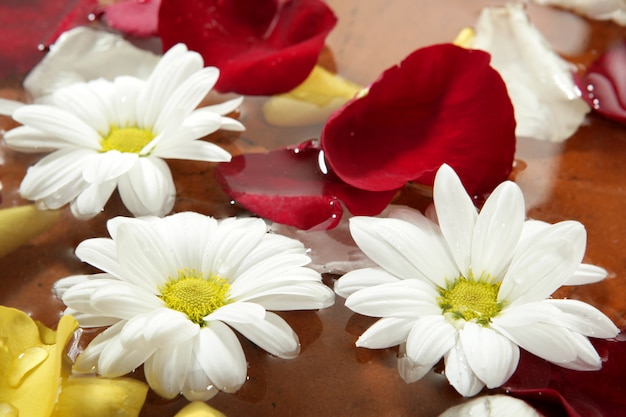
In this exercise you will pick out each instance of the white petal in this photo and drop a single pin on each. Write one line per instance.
(362, 278)
(118, 360)
(124, 100)
(537, 272)
(197, 150)
(497, 231)
(525, 314)
(540, 83)
(166, 370)
(403, 249)
(176, 227)
(8, 107)
(148, 188)
(89, 320)
(586, 274)
(123, 300)
(230, 244)
(219, 352)
(459, 373)
(57, 176)
(158, 328)
(456, 214)
(547, 341)
(101, 253)
(63, 284)
(188, 94)
(407, 298)
(102, 167)
(429, 340)
(225, 107)
(587, 359)
(90, 202)
(296, 296)
(492, 406)
(385, 333)
(492, 357)
(237, 312)
(28, 139)
(87, 361)
(60, 123)
(83, 102)
(272, 334)
(198, 386)
(583, 318)
(596, 9)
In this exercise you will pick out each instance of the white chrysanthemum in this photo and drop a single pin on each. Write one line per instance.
(472, 288)
(172, 289)
(114, 134)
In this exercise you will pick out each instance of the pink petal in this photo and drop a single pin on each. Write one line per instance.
(134, 17)
(262, 47)
(604, 85)
(287, 186)
(27, 27)
(442, 104)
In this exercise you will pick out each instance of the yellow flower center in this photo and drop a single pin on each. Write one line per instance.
(470, 300)
(195, 295)
(126, 139)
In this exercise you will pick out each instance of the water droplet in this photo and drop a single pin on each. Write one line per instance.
(25, 362)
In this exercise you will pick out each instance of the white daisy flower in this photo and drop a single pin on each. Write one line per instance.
(472, 288)
(172, 289)
(105, 135)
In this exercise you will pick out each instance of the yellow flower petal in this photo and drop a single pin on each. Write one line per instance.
(19, 224)
(312, 101)
(30, 368)
(198, 409)
(465, 38)
(100, 397)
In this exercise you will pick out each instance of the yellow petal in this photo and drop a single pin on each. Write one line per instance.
(19, 224)
(321, 93)
(32, 366)
(198, 409)
(100, 397)
(465, 38)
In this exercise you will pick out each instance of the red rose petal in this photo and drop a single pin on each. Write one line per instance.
(604, 84)
(134, 17)
(442, 104)
(28, 26)
(287, 186)
(577, 393)
(262, 47)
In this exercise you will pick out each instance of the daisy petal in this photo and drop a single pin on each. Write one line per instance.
(492, 249)
(359, 279)
(90, 202)
(385, 333)
(221, 357)
(166, 369)
(583, 318)
(410, 371)
(407, 298)
(430, 338)
(547, 341)
(459, 373)
(272, 334)
(587, 274)
(196, 150)
(31, 140)
(107, 166)
(238, 312)
(117, 360)
(148, 188)
(87, 361)
(492, 357)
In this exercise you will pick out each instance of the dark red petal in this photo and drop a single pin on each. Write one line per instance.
(262, 47)
(134, 17)
(26, 27)
(287, 186)
(577, 393)
(603, 85)
(441, 104)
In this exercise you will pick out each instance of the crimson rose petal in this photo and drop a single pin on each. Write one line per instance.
(442, 104)
(288, 187)
(262, 47)
(604, 85)
(578, 394)
(26, 26)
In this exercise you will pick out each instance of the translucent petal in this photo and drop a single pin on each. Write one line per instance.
(583, 318)
(91, 201)
(410, 371)
(225, 107)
